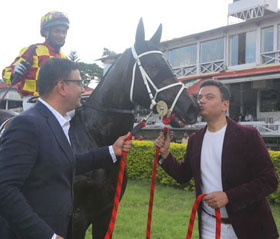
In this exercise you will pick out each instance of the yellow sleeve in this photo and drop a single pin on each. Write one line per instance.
(7, 72)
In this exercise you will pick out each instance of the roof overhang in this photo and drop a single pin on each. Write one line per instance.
(231, 77)
(250, 78)
(12, 95)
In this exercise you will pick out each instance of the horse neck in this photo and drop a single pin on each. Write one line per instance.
(112, 92)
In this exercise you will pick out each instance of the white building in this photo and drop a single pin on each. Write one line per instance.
(245, 56)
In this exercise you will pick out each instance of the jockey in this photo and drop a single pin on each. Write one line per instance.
(25, 68)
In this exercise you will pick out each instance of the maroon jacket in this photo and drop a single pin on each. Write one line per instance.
(248, 176)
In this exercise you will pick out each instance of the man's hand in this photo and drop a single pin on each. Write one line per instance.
(59, 237)
(122, 145)
(163, 143)
(216, 199)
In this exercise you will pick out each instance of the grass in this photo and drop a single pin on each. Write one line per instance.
(171, 212)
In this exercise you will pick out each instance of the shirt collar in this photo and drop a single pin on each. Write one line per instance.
(61, 119)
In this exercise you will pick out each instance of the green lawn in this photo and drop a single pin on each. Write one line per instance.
(171, 213)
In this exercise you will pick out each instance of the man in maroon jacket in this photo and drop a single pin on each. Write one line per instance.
(229, 163)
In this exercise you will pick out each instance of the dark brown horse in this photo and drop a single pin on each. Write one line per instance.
(108, 113)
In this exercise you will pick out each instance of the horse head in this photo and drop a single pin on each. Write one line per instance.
(149, 79)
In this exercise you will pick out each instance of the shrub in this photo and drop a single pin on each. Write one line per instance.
(140, 160)
(275, 155)
(139, 165)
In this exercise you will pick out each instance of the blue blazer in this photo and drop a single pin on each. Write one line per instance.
(37, 168)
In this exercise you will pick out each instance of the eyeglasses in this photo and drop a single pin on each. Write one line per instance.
(78, 82)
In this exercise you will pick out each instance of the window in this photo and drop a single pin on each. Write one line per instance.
(183, 56)
(267, 39)
(243, 48)
(212, 50)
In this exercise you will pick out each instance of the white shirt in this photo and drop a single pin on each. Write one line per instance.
(64, 122)
(211, 166)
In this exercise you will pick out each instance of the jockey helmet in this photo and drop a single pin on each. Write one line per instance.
(53, 19)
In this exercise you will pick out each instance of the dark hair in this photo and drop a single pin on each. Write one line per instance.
(52, 71)
(225, 92)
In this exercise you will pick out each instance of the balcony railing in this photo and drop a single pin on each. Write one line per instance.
(270, 57)
(212, 66)
(219, 65)
(185, 70)
(207, 67)
(266, 129)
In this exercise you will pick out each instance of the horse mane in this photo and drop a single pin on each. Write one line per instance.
(119, 60)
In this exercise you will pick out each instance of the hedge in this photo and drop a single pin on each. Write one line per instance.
(139, 165)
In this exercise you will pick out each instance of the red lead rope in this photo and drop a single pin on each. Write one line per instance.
(192, 218)
(150, 210)
(117, 194)
(119, 183)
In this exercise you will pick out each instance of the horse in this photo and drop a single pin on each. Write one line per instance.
(140, 76)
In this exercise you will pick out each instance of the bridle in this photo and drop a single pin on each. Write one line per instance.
(147, 81)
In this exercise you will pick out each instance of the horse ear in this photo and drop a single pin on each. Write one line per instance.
(140, 33)
(157, 36)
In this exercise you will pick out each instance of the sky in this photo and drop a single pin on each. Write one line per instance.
(111, 24)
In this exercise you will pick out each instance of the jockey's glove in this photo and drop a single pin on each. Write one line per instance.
(19, 71)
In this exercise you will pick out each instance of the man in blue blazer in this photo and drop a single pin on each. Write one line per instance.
(37, 164)
(230, 163)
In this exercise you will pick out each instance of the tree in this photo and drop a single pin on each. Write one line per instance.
(73, 56)
(89, 71)
(107, 52)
